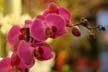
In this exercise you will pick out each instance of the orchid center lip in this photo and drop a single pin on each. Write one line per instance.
(50, 31)
(25, 34)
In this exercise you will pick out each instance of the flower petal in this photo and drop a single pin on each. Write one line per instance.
(38, 30)
(13, 34)
(25, 52)
(28, 23)
(15, 60)
(44, 52)
(46, 12)
(5, 65)
(58, 23)
(65, 14)
(51, 9)
(41, 17)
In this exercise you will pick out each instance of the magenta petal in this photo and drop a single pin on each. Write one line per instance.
(5, 65)
(44, 52)
(13, 34)
(38, 30)
(58, 23)
(53, 8)
(65, 14)
(15, 60)
(22, 66)
(28, 23)
(40, 17)
(46, 12)
(25, 52)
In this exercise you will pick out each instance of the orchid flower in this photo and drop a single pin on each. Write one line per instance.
(5, 66)
(17, 33)
(51, 26)
(26, 52)
(43, 51)
(24, 56)
(63, 12)
(20, 59)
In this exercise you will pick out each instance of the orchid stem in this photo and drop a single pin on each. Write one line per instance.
(27, 34)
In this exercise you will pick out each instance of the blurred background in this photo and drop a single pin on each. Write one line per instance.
(71, 54)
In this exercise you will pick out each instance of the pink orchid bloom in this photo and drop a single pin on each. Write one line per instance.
(17, 33)
(63, 12)
(43, 52)
(26, 53)
(5, 66)
(51, 26)
(20, 59)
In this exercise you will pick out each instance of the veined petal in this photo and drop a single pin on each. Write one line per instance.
(65, 14)
(25, 52)
(13, 34)
(43, 52)
(38, 30)
(58, 24)
(5, 65)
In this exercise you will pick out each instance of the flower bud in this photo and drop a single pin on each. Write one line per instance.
(76, 31)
